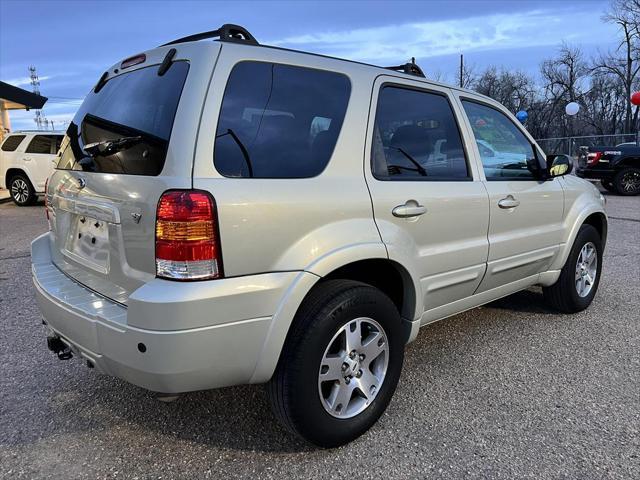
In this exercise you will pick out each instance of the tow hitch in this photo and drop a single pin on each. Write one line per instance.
(58, 347)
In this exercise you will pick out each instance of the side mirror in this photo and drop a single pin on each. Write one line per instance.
(559, 165)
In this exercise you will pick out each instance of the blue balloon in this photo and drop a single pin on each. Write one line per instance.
(522, 116)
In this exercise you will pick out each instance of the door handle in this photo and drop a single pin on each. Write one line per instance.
(508, 202)
(27, 159)
(410, 209)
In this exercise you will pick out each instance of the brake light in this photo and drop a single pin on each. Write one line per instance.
(131, 61)
(593, 157)
(187, 238)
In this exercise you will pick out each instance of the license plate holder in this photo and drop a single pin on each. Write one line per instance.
(88, 243)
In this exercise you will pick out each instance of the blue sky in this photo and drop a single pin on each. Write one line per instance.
(72, 42)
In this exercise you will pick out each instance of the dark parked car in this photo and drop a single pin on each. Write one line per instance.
(617, 168)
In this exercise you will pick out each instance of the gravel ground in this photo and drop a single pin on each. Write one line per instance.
(510, 390)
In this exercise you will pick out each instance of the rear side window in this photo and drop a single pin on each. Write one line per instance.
(46, 144)
(279, 121)
(12, 142)
(125, 127)
(416, 137)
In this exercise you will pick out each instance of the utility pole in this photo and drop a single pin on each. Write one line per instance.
(40, 119)
(461, 70)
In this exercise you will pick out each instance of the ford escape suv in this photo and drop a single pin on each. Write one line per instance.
(226, 213)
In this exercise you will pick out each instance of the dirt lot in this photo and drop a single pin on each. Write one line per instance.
(510, 390)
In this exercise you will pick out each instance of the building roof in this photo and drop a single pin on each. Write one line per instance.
(15, 98)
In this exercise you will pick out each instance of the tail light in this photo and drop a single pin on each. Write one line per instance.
(593, 157)
(187, 238)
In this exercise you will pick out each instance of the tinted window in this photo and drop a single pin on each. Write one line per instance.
(416, 137)
(12, 142)
(42, 144)
(505, 151)
(139, 105)
(279, 121)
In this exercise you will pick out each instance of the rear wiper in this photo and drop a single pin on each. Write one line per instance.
(419, 168)
(109, 147)
(243, 149)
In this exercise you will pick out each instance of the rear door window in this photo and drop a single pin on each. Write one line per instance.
(12, 142)
(416, 137)
(279, 121)
(133, 111)
(43, 144)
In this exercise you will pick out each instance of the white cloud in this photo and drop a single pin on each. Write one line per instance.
(19, 82)
(446, 37)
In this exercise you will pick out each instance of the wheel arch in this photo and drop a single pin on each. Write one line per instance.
(13, 171)
(586, 216)
(378, 271)
(386, 275)
(599, 221)
(629, 162)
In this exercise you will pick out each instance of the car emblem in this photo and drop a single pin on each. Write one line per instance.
(136, 216)
(81, 183)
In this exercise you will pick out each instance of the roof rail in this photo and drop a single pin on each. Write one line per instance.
(227, 33)
(410, 68)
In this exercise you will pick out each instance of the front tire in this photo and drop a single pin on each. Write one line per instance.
(580, 276)
(340, 363)
(22, 192)
(627, 181)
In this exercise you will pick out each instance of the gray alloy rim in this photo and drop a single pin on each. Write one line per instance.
(353, 368)
(631, 181)
(20, 190)
(586, 269)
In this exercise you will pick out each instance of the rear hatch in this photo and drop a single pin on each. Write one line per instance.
(132, 139)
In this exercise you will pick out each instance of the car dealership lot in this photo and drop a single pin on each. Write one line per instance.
(508, 390)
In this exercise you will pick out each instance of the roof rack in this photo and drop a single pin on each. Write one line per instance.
(410, 68)
(227, 33)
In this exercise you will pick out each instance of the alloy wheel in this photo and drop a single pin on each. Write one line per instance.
(586, 269)
(20, 190)
(630, 182)
(353, 368)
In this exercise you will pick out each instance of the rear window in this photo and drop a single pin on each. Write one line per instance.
(12, 142)
(125, 127)
(45, 144)
(279, 121)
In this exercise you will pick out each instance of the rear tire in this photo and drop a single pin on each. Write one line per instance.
(580, 275)
(627, 181)
(317, 389)
(21, 190)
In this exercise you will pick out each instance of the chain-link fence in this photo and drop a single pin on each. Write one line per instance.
(571, 145)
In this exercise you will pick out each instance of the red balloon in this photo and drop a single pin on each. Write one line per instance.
(635, 98)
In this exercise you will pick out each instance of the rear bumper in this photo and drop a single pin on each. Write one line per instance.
(224, 352)
(595, 173)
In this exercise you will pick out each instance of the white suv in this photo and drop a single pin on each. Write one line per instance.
(26, 160)
(226, 213)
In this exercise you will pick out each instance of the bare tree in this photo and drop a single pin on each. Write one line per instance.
(565, 78)
(466, 76)
(624, 61)
(515, 90)
(437, 76)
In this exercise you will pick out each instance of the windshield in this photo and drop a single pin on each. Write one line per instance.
(140, 104)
